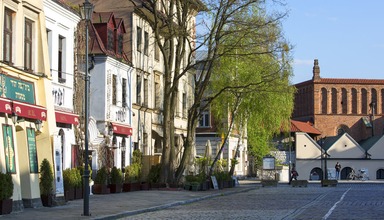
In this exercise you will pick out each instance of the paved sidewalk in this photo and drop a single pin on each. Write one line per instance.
(112, 206)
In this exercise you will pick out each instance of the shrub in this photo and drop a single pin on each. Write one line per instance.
(81, 169)
(6, 187)
(154, 174)
(116, 176)
(46, 178)
(132, 173)
(222, 176)
(101, 176)
(68, 181)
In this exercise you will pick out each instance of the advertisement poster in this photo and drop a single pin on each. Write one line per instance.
(33, 164)
(9, 149)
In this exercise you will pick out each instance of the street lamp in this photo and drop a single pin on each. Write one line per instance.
(86, 13)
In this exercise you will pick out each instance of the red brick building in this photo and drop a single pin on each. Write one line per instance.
(336, 105)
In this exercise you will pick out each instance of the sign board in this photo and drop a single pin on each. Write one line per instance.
(17, 89)
(214, 182)
(9, 149)
(268, 163)
(33, 164)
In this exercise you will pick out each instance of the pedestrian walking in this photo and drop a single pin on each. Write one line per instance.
(294, 173)
(338, 168)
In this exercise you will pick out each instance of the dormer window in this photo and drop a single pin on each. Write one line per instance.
(120, 44)
(110, 40)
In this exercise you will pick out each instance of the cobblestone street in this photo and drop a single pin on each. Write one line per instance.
(346, 201)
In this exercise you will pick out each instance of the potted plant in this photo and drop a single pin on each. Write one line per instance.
(133, 173)
(6, 192)
(69, 185)
(154, 176)
(46, 183)
(101, 182)
(132, 176)
(116, 180)
(78, 182)
(191, 182)
(81, 184)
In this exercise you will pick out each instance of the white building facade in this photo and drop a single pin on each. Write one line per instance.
(61, 23)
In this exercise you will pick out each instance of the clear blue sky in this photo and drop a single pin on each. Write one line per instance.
(346, 36)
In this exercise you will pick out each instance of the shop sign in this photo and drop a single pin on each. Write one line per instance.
(17, 89)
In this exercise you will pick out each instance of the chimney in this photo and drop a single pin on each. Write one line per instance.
(316, 70)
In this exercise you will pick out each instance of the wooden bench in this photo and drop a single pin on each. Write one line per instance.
(328, 183)
(299, 183)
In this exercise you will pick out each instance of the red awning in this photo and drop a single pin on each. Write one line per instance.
(121, 129)
(67, 118)
(29, 110)
(5, 106)
(23, 109)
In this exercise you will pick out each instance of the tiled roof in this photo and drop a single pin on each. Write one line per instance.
(343, 81)
(350, 81)
(368, 143)
(298, 126)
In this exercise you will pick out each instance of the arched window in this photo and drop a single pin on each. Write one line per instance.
(380, 174)
(364, 101)
(324, 102)
(344, 101)
(374, 99)
(354, 101)
(334, 101)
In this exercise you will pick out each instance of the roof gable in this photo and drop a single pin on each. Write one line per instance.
(376, 149)
(306, 147)
(344, 146)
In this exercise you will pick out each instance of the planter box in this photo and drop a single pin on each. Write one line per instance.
(299, 183)
(195, 187)
(47, 200)
(269, 183)
(100, 189)
(78, 193)
(115, 188)
(187, 186)
(69, 194)
(205, 185)
(5, 206)
(144, 186)
(328, 183)
(129, 187)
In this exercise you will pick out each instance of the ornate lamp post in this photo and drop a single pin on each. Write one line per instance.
(86, 13)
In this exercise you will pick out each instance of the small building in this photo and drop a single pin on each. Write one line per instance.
(322, 155)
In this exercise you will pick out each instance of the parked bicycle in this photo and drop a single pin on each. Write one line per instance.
(359, 175)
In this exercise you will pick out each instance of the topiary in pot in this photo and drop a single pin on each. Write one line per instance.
(101, 182)
(69, 185)
(78, 183)
(132, 177)
(116, 180)
(46, 183)
(6, 192)
(154, 176)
